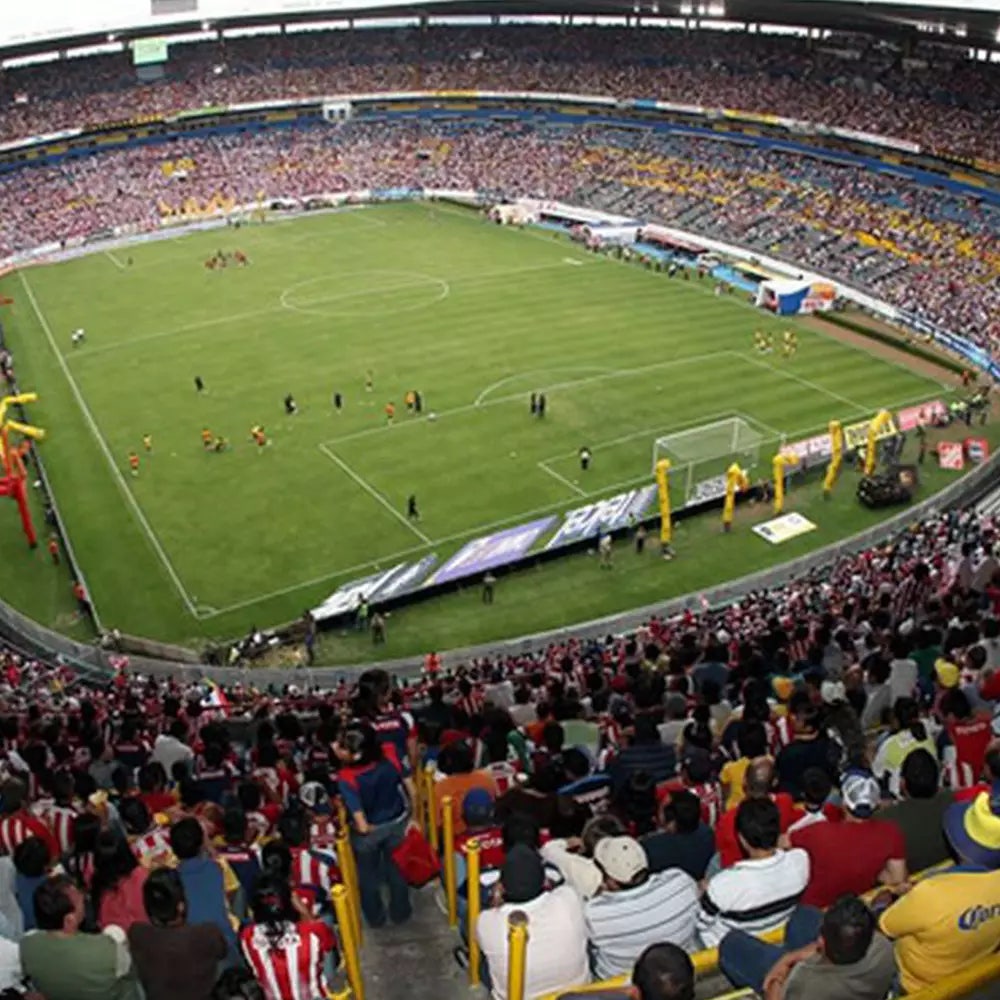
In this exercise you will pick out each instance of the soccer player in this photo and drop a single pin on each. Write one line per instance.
(390, 412)
(369, 381)
(147, 442)
(79, 336)
(290, 407)
(418, 402)
(410, 400)
(206, 438)
(338, 402)
(584, 458)
(133, 463)
(259, 437)
(534, 403)
(241, 258)
(220, 444)
(411, 507)
(199, 386)
(541, 404)
(789, 343)
(54, 549)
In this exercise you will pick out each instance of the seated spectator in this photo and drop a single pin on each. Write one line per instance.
(204, 881)
(825, 956)
(752, 741)
(585, 786)
(877, 852)
(991, 770)
(172, 957)
(239, 853)
(635, 804)
(635, 908)
(920, 812)
(697, 776)
(290, 953)
(662, 972)
(117, 884)
(575, 857)
(66, 964)
(810, 747)
(909, 733)
(645, 752)
(965, 740)
(17, 822)
(758, 784)
(683, 841)
(950, 920)
(31, 864)
(759, 893)
(816, 788)
(557, 942)
(457, 776)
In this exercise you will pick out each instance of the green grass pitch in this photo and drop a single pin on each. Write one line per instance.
(204, 545)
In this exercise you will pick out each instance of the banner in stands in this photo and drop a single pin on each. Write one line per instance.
(781, 529)
(491, 551)
(951, 455)
(790, 297)
(401, 579)
(605, 515)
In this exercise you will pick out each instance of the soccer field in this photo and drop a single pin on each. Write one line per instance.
(473, 316)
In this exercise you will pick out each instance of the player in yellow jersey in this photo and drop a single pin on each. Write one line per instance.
(206, 438)
(789, 343)
(147, 442)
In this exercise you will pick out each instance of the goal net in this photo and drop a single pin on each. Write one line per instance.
(702, 454)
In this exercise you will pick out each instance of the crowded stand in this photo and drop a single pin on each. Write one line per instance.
(853, 83)
(641, 798)
(931, 252)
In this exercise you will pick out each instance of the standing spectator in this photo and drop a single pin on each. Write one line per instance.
(117, 883)
(17, 822)
(683, 841)
(172, 957)
(825, 956)
(877, 851)
(759, 893)
(371, 783)
(203, 879)
(171, 748)
(288, 951)
(557, 939)
(920, 812)
(903, 672)
(66, 964)
(636, 908)
(967, 738)
(950, 920)
(31, 864)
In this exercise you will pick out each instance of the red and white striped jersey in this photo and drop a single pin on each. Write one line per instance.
(17, 828)
(61, 820)
(289, 967)
(152, 849)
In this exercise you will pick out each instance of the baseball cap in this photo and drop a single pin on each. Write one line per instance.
(313, 795)
(477, 807)
(522, 874)
(973, 828)
(861, 793)
(621, 858)
(946, 673)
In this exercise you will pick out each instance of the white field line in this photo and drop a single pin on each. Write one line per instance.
(114, 260)
(521, 396)
(375, 494)
(569, 484)
(103, 444)
(493, 386)
(807, 382)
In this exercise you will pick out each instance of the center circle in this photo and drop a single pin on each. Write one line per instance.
(374, 292)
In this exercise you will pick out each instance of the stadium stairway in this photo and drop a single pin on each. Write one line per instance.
(414, 961)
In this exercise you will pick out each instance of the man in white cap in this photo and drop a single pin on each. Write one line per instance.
(634, 908)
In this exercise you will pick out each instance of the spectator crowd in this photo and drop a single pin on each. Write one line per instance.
(930, 96)
(692, 785)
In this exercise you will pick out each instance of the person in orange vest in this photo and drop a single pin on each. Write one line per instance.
(410, 400)
(81, 597)
(260, 438)
(432, 664)
(54, 549)
(390, 413)
(206, 438)
(133, 463)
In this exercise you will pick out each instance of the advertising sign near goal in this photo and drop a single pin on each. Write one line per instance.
(781, 529)
(491, 551)
(951, 455)
(400, 579)
(605, 515)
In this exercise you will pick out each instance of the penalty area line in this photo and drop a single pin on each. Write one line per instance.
(562, 479)
(374, 493)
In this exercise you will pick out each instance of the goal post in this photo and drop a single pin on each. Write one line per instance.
(703, 452)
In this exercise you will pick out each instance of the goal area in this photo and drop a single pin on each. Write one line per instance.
(705, 452)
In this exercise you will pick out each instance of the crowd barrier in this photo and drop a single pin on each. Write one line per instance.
(346, 899)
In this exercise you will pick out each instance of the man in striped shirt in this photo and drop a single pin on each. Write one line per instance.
(17, 823)
(758, 893)
(634, 908)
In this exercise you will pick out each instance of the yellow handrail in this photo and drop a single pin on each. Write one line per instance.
(517, 954)
(346, 923)
(450, 888)
(472, 885)
(349, 877)
(427, 776)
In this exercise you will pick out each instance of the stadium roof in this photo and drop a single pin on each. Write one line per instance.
(967, 23)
